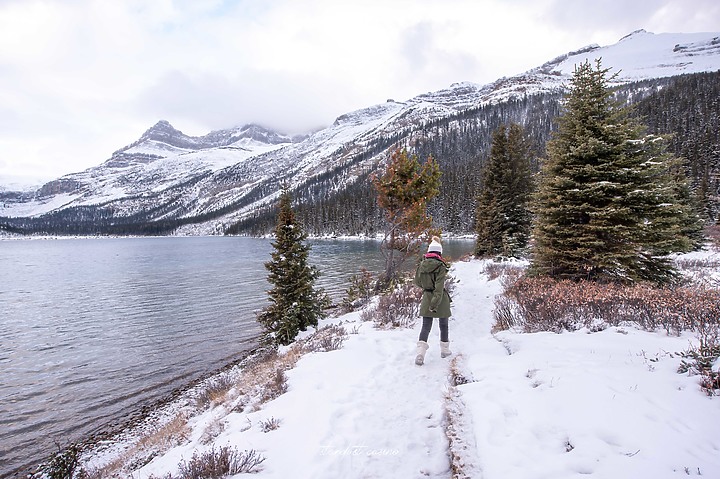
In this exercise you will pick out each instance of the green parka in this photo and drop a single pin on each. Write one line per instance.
(430, 276)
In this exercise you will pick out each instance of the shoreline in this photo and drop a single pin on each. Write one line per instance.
(112, 432)
(379, 237)
(118, 431)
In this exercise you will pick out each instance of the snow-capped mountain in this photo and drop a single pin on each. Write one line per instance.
(202, 184)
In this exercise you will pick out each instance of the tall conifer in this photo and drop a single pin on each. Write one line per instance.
(608, 206)
(295, 303)
(502, 219)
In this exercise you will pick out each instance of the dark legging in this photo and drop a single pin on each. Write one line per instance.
(427, 326)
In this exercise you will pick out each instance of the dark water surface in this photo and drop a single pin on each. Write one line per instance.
(93, 329)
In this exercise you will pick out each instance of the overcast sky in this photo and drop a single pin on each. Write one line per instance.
(80, 79)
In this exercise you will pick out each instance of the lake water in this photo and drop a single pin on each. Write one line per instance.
(91, 330)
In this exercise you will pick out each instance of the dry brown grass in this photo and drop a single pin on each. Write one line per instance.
(265, 380)
(150, 444)
(212, 430)
(215, 391)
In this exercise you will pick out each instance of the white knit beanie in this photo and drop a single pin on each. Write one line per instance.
(435, 245)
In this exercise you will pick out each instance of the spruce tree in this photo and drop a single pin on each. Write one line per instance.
(502, 218)
(295, 303)
(403, 192)
(608, 207)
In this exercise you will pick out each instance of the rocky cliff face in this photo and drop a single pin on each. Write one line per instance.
(58, 187)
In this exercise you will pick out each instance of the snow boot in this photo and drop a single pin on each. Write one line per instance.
(422, 347)
(445, 349)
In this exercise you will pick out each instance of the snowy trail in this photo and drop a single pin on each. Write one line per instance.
(557, 406)
(387, 422)
(382, 415)
(364, 411)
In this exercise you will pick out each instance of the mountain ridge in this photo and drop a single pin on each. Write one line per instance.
(203, 184)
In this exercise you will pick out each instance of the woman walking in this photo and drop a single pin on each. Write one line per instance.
(430, 276)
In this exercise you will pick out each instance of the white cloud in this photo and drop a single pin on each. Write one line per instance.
(81, 78)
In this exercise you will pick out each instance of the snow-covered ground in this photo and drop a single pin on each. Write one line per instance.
(609, 404)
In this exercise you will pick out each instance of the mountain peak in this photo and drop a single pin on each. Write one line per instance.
(162, 130)
(636, 33)
(164, 133)
(250, 131)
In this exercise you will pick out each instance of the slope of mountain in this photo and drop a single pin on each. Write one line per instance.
(163, 157)
(170, 182)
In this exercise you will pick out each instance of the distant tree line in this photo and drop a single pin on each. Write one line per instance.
(688, 108)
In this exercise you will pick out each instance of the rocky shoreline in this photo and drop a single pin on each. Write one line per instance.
(115, 430)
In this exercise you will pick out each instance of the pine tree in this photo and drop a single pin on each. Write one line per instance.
(608, 207)
(403, 192)
(295, 302)
(502, 218)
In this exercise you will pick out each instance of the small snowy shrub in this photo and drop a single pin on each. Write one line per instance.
(63, 464)
(704, 358)
(699, 271)
(213, 430)
(328, 338)
(359, 292)
(269, 424)
(697, 264)
(396, 309)
(545, 304)
(217, 464)
(495, 269)
(505, 313)
(275, 387)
